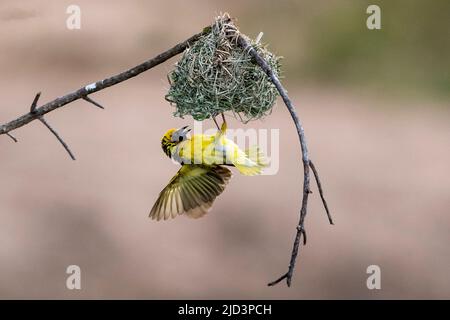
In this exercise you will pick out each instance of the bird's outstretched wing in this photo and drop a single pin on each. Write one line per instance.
(192, 191)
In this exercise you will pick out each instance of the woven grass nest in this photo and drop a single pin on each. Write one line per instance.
(215, 75)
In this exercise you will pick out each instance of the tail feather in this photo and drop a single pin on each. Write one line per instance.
(252, 163)
(249, 163)
(255, 154)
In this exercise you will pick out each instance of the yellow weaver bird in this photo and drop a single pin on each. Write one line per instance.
(202, 176)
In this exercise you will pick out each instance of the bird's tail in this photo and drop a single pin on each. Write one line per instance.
(252, 162)
(249, 163)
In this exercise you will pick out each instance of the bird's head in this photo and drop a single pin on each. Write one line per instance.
(172, 137)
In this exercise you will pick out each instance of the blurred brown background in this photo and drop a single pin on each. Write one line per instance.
(375, 107)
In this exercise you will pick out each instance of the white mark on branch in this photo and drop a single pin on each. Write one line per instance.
(91, 87)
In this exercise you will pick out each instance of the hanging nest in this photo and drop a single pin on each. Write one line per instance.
(215, 75)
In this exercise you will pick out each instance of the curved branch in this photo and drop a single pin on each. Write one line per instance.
(301, 232)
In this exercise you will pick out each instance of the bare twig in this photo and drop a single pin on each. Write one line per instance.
(57, 137)
(83, 92)
(41, 118)
(301, 232)
(319, 185)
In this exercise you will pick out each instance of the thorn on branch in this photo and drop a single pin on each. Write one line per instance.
(57, 137)
(93, 102)
(302, 230)
(319, 185)
(35, 101)
(11, 136)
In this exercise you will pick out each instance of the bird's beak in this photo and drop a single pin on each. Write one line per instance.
(184, 131)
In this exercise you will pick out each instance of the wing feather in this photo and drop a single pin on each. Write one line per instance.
(192, 191)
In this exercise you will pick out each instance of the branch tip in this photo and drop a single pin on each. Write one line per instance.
(284, 276)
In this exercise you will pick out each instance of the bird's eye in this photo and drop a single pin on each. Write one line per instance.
(180, 139)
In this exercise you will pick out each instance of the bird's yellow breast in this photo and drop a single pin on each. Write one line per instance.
(193, 150)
